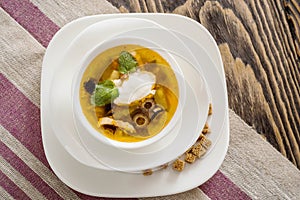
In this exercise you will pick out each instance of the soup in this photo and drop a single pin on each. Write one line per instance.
(129, 93)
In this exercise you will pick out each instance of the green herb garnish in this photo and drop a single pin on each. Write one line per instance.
(104, 93)
(127, 63)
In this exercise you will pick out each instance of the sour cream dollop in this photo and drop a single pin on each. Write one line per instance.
(137, 86)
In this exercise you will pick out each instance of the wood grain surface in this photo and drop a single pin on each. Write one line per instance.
(259, 43)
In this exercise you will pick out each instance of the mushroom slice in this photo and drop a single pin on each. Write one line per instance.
(125, 126)
(90, 85)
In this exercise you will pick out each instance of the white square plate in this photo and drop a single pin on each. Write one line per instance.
(105, 183)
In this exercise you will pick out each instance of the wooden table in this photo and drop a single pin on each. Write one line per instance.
(260, 45)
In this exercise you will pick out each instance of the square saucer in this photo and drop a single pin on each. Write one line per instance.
(99, 182)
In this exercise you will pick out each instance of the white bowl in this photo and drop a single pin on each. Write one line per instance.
(83, 125)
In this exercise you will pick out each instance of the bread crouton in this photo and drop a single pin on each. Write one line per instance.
(178, 165)
(190, 158)
(198, 150)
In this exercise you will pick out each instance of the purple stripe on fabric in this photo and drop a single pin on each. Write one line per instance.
(221, 187)
(27, 172)
(12, 188)
(20, 117)
(31, 18)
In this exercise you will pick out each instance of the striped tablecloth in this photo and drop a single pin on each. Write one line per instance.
(252, 169)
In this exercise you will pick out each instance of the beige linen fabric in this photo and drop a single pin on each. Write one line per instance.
(62, 12)
(256, 167)
(20, 56)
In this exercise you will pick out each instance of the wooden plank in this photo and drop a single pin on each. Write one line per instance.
(259, 43)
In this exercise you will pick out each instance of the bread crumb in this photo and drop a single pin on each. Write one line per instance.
(165, 166)
(148, 172)
(206, 129)
(198, 150)
(178, 165)
(210, 109)
(190, 158)
(206, 126)
(204, 141)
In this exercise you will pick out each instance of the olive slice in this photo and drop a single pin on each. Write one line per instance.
(141, 120)
(148, 104)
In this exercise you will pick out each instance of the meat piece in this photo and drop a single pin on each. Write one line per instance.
(125, 126)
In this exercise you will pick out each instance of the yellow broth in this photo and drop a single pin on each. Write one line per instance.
(166, 95)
